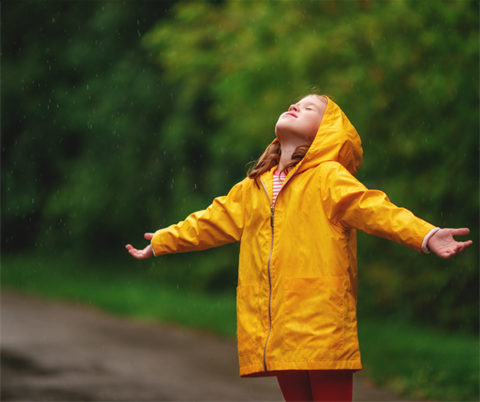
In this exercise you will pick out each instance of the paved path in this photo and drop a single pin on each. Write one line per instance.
(64, 352)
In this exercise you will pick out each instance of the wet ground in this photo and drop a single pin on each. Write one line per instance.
(64, 352)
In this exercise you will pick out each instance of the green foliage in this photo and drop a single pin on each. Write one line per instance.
(80, 122)
(120, 118)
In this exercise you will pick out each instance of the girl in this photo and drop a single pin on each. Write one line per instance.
(296, 215)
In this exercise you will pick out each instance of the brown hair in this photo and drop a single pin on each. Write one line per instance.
(271, 156)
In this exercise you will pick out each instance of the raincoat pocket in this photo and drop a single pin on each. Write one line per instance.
(247, 318)
(314, 313)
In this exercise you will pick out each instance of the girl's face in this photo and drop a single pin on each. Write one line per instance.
(302, 119)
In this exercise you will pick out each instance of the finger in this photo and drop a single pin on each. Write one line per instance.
(460, 246)
(460, 231)
(464, 245)
(131, 249)
(133, 253)
(448, 254)
(136, 254)
(148, 236)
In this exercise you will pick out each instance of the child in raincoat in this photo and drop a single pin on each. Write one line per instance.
(296, 216)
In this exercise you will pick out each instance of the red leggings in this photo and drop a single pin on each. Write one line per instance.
(316, 385)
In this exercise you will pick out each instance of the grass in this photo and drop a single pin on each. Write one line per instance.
(125, 292)
(417, 362)
(420, 362)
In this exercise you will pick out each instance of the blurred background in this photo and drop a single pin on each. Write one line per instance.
(120, 118)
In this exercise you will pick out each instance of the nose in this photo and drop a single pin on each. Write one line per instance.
(293, 107)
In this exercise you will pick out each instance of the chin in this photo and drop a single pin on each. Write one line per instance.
(282, 126)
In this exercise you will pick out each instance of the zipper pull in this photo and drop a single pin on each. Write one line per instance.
(272, 209)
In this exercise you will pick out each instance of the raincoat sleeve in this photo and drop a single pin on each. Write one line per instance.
(221, 223)
(349, 204)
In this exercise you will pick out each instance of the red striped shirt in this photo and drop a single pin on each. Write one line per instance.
(278, 179)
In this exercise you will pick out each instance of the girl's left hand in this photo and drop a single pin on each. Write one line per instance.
(147, 252)
(444, 245)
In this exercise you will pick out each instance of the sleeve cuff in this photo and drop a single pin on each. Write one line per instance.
(425, 248)
(153, 250)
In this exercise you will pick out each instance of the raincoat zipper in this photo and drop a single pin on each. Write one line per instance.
(272, 215)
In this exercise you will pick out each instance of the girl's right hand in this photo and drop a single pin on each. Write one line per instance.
(147, 252)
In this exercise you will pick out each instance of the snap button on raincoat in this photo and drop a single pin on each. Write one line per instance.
(297, 279)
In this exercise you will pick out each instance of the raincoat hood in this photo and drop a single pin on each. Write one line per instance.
(336, 141)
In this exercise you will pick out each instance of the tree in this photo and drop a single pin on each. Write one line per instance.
(80, 103)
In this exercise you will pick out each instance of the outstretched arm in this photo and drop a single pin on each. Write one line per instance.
(444, 245)
(219, 224)
(350, 204)
(147, 252)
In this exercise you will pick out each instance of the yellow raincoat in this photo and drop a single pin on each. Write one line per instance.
(297, 279)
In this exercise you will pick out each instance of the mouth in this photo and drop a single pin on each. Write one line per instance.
(291, 114)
